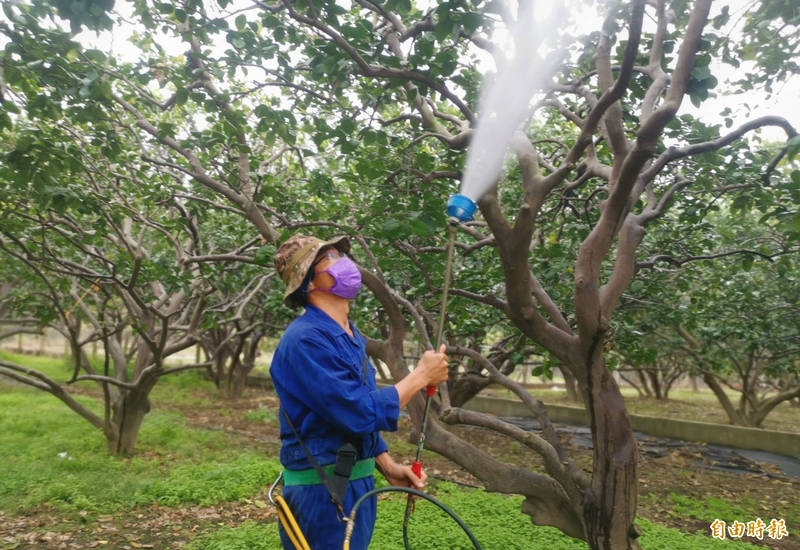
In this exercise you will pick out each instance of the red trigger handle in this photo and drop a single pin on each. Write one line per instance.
(430, 391)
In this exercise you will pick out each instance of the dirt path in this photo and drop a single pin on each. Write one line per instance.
(153, 526)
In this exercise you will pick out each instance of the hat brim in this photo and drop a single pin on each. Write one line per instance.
(341, 243)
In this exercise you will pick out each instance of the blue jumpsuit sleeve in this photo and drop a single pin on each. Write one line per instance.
(381, 447)
(332, 388)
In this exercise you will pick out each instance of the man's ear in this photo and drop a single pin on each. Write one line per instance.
(311, 284)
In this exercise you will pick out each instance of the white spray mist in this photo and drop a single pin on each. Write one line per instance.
(505, 100)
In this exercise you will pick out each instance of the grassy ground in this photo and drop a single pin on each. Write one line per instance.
(202, 466)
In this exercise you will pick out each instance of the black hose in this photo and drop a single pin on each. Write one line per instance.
(405, 535)
(415, 492)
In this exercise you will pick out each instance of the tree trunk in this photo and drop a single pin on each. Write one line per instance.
(610, 508)
(757, 416)
(238, 379)
(220, 360)
(466, 387)
(545, 501)
(131, 405)
(571, 384)
(655, 382)
(644, 382)
(733, 415)
(128, 413)
(634, 385)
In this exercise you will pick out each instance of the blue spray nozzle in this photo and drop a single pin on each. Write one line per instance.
(461, 207)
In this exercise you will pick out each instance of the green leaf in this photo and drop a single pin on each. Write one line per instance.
(181, 96)
(347, 125)
(270, 21)
(792, 148)
(398, 5)
(701, 72)
(264, 255)
(392, 228)
(471, 21)
(419, 227)
(10, 107)
(424, 48)
(166, 129)
(241, 21)
(795, 223)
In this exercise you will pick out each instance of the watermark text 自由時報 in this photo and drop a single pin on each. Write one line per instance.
(775, 529)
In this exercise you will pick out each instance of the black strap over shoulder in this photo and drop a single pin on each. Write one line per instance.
(346, 458)
(364, 369)
(333, 486)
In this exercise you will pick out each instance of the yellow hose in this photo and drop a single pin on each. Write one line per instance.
(290, 525)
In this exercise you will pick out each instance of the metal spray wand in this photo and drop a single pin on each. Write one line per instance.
(459, 209)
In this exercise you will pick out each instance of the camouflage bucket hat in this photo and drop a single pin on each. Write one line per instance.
(296, 255)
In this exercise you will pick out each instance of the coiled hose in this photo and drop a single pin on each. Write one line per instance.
(351, 520)
(299, 541)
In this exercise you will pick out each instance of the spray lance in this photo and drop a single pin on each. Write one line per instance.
(460, 209)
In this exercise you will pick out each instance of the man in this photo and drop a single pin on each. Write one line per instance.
(327, 389)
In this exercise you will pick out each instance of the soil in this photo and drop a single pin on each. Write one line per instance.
(162, 527)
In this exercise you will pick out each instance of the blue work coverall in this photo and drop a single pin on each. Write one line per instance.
(317, 371)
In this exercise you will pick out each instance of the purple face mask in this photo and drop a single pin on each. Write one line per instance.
(346, 277)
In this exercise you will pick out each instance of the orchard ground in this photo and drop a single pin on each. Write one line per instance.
(194, 443)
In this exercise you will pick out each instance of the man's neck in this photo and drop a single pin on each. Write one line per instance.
(337, 308)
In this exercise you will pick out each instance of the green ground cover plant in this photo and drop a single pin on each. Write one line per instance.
(188, 388)
(261, 414)
(711, 508)
(54, 460)
(53, 457)
(493, 519)
(57, 368)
